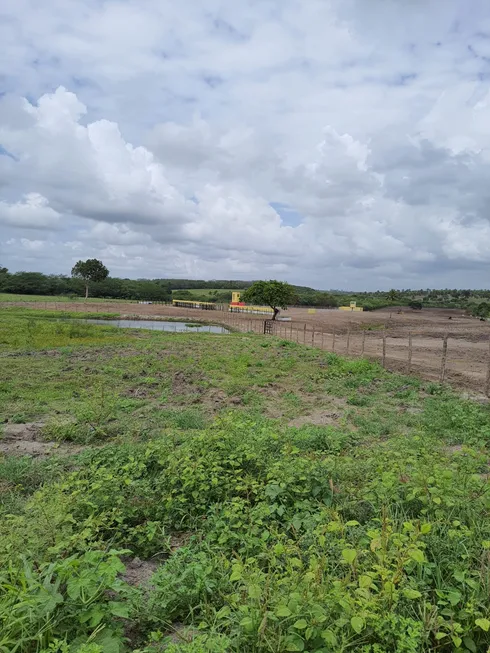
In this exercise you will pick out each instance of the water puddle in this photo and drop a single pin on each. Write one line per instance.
(162, 325)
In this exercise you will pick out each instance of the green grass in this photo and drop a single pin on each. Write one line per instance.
(10, 297)
(286, 498)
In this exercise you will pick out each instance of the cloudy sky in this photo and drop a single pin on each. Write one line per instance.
(333, 143)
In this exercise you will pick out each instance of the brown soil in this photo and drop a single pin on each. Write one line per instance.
(318, 418)
(25, 440)
(138, 572)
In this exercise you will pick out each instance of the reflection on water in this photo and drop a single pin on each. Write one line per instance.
(161, 325)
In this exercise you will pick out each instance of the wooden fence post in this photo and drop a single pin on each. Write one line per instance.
(291, 330)
(323, 339)
(487, 384)
(333, 341)
(304, 334)
(383, 363)
(313, 337)
(444, 358)
(348, 340)
(409, 352)
(363, 341)
(297, 335)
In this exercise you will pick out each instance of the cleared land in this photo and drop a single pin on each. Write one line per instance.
(468, 344)
(194, 493)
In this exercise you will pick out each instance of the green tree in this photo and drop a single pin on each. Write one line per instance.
(416, 305)
(392, 295)
(91, 270)
(27, 283)
(276, 294)
(481, 310)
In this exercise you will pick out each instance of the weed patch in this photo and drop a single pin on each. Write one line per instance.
(248, 497)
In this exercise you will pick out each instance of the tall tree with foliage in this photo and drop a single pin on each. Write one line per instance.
(91, 270)
(276, 294)
(392, 295)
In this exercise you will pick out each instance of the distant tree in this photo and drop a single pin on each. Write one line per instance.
(91, 270)
(392, 295)
(183, 294)
(27, 283)
(481, 310)
(417, 306)
(276, 294)
(4, 277)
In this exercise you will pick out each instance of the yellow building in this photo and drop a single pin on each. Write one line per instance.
(352, 307)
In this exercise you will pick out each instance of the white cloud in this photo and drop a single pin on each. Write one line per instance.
(314, 141)
(32, 212)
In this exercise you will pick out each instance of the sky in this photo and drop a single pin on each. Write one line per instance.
(331, 143)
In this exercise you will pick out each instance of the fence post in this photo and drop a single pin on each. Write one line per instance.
(297, 335)
(363, 341)
(444, 358)
(323, 340)
(291, 330)
(348, 340)
(384, 347)
(313, 337)
(409, 352)
(304, 334)
(333, 341)
(487, 384)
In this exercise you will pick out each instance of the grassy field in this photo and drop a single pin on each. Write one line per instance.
(233, 493)
(10, 297)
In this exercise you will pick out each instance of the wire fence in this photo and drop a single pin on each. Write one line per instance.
(443, 359)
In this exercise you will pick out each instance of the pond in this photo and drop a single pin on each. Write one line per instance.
(162, 325)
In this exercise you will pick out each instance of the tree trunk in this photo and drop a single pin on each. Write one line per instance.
(276, 311)
(86, 291)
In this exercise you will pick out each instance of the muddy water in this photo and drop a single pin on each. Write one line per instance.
(161, 325)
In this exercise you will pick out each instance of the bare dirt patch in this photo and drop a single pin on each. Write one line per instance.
(186, 383)
(317, 418)
(26, 440)
(139, 572)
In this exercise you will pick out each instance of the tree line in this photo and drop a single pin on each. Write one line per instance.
(93, 275)
(36, 283)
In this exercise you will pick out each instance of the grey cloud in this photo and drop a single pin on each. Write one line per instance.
(368, 121)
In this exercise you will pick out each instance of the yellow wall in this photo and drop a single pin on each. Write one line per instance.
(265, 310)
